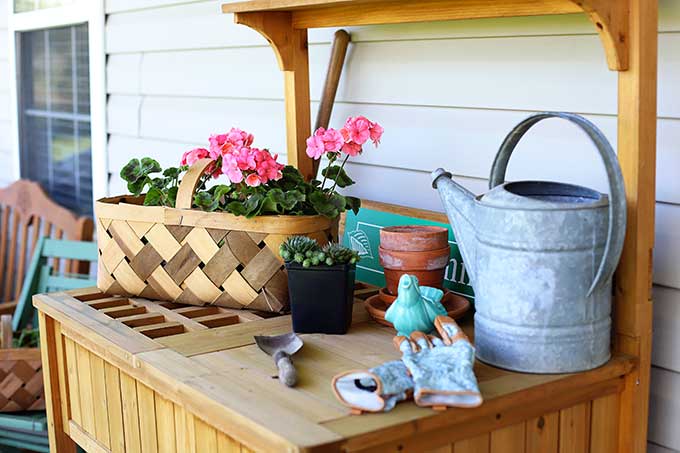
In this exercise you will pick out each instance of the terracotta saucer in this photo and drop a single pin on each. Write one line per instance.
(386, 297)
(455, 305)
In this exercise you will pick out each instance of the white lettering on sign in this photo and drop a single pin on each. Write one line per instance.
(455, 273)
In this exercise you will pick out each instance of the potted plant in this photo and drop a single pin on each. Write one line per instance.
(208, 231)
(320, 284)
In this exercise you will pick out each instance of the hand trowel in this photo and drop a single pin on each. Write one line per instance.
(281, 347)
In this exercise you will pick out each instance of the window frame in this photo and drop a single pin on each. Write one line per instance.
(81, 11)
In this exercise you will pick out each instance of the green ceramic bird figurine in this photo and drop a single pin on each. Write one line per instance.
(416, 307)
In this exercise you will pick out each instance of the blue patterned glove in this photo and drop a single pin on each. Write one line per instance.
(441, 368)
(376, 390)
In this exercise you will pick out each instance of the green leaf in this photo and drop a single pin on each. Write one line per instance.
(253, 205)
(136, 173)
(205, 201)
(221, 191)
(337, 174)
(353, 203)
(328, 206)
(172, 172)
(154, 197)
(279, 201)
(236, 208)
(172, 197)
(150, 165)
(159, 183)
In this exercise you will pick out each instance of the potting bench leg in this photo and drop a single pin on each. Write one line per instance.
(57, 410)
(290, 47)
(636, 149)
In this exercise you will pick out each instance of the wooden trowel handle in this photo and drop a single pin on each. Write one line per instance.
(287, 373)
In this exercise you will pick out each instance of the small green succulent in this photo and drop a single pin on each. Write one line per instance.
(339, 254)
(306, 251)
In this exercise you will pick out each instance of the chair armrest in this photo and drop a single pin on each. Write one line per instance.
(7, 308)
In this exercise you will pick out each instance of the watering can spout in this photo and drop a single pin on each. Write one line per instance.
(459, 204)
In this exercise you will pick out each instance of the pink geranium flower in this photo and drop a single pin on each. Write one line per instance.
(239, 138)
(315, 147)
(358, 129)
(230, 168)
(376, 133)
(245, 159)
(268, 169)
(253, 180)
(190, 157)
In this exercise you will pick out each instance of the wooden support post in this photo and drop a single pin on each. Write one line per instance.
(50, 339)
(637, 151)
(290, 47)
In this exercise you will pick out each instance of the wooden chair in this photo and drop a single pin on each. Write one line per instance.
(26, 214)
(28, 430)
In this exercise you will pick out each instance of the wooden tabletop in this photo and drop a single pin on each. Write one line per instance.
(205, 359)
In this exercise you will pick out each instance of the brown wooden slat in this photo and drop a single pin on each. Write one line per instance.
(218, 320)
(108, 302)
(23, 252)
(125, 310)
(161, 330)
(4, 234)
(143, 319)
(543, 433)
(12, 255)
(575, 429)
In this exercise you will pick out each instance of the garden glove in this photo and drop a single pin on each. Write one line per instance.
(441, 368)
(376, 390)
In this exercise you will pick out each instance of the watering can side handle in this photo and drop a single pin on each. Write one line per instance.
(616, 231)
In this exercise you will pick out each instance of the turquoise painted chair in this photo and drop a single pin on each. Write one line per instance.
(28, 430)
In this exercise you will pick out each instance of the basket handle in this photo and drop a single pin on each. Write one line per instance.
(190, 181)
(616, 231)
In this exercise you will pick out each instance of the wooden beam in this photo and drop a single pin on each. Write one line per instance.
(400, 11)
(290, 47)
(637, 155)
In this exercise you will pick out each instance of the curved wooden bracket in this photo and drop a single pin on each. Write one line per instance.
(611, 18)
(277, 28)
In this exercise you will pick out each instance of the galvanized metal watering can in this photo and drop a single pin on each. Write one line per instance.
(540, 256)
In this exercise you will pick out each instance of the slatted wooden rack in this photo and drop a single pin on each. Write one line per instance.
(628, 31)
(137, 376)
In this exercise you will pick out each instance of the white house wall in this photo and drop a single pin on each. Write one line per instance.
(446, 93)
(6, 156)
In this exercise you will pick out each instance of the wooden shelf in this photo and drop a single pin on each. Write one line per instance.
(317, 13)
(609, 17)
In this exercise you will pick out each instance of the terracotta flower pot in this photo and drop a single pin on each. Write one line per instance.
(414, 238)
(422, 251)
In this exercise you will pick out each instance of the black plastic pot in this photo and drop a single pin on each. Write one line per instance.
(321, 297)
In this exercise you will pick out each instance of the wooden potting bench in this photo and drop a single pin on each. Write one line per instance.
(628, 31)
(130, 375)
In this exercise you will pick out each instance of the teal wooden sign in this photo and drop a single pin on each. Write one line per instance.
(362, 234)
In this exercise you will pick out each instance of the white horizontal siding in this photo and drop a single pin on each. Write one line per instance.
(664, 403)
(447, 93)
(6, 155)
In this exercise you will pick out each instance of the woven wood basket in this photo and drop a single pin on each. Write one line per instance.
(21, 380)
(195, 257)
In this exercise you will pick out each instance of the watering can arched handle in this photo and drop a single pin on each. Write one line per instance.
(616, 232)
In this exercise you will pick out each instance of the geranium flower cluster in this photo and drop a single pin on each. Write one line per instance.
(348, 140)
(234, 156)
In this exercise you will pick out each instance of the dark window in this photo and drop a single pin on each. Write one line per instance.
(55, 114)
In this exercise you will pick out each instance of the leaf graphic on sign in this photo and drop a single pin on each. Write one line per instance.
(358, 241)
